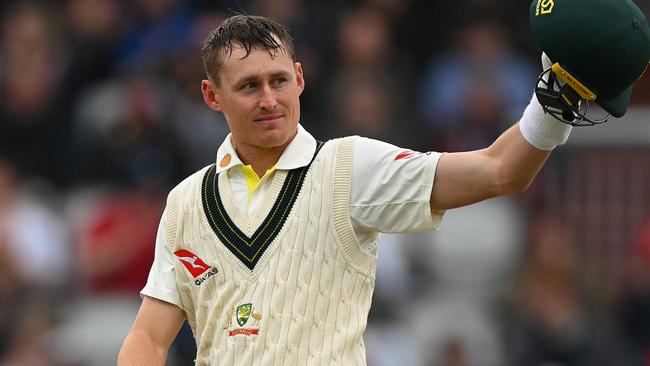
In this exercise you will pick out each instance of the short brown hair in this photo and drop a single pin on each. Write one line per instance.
(247, 31)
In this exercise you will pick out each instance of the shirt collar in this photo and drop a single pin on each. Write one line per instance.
(297, 154)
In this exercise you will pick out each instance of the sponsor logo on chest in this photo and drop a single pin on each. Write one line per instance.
(199, 270)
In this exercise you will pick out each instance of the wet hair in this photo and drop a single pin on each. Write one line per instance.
(247, 31)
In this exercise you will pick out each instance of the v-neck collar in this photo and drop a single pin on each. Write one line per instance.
(227, 221)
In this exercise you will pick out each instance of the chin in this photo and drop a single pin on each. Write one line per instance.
(277, 137)
(273, 140)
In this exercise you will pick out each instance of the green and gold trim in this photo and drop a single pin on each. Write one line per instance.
(250, 250)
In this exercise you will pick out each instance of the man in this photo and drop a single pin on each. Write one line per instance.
(270, 253)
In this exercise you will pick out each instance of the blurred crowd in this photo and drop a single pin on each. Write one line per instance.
(101, 114)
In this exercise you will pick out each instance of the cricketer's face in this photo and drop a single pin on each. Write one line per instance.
(259, 96)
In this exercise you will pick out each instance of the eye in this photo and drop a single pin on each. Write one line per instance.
(279, 81)
(248, 86)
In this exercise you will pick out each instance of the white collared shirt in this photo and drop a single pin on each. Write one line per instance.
(391, 189)
(382, 187)
(297, 154)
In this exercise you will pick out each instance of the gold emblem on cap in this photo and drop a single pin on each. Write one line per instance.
(544, 7)
(225, 160)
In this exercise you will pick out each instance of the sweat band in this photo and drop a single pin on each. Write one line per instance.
(542, 130)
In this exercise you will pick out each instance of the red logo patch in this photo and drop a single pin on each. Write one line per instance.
(192, 262)
(406, 155)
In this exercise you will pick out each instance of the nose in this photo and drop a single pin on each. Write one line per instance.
(267, 100)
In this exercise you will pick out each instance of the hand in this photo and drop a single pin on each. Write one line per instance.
(546, 65)
(546, 62)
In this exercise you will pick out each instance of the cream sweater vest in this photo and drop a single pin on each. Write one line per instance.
(306, 300)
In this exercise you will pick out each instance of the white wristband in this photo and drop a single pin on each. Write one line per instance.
(542, 130)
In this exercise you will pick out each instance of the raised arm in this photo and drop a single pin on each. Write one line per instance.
(153, 331)
(508, 166)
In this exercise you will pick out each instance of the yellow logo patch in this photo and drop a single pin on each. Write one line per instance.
(544, 7)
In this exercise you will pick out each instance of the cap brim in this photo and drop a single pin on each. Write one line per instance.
(617, 106)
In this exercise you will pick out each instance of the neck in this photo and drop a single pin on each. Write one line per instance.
(261, 159)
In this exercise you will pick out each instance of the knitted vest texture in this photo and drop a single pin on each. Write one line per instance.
(288, 285)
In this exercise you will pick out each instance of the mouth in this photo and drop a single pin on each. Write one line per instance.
(269, 118)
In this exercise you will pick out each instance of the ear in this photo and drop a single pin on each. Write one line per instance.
(211, 95)
(300, 77)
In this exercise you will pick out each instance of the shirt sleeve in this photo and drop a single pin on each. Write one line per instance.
(161, 283)
(391, 188)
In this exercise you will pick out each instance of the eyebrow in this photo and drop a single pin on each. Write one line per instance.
(255, 77)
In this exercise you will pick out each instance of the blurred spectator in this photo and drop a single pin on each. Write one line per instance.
(634, 308)
(641, 93)
(122, 134)
(396, 289)
(115, 232)
(453, 353)
(94, 28)
(368, 91)
(471, 260)
(436, 295)
(472, 93)
(556, 319)
(34, 260)
(195, 127)
(115, 251)
(289, 12)
(33, 110)
(33, 319)
(391, 9)
(33, 240)
(160, 27)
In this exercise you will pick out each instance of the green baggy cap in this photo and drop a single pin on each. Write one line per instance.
(604, 44)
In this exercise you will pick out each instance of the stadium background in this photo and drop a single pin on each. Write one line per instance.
(101, 114)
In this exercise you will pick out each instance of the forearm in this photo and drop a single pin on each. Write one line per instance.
(522, 150)
(508, 166)
(518, 162)
(140, 349)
